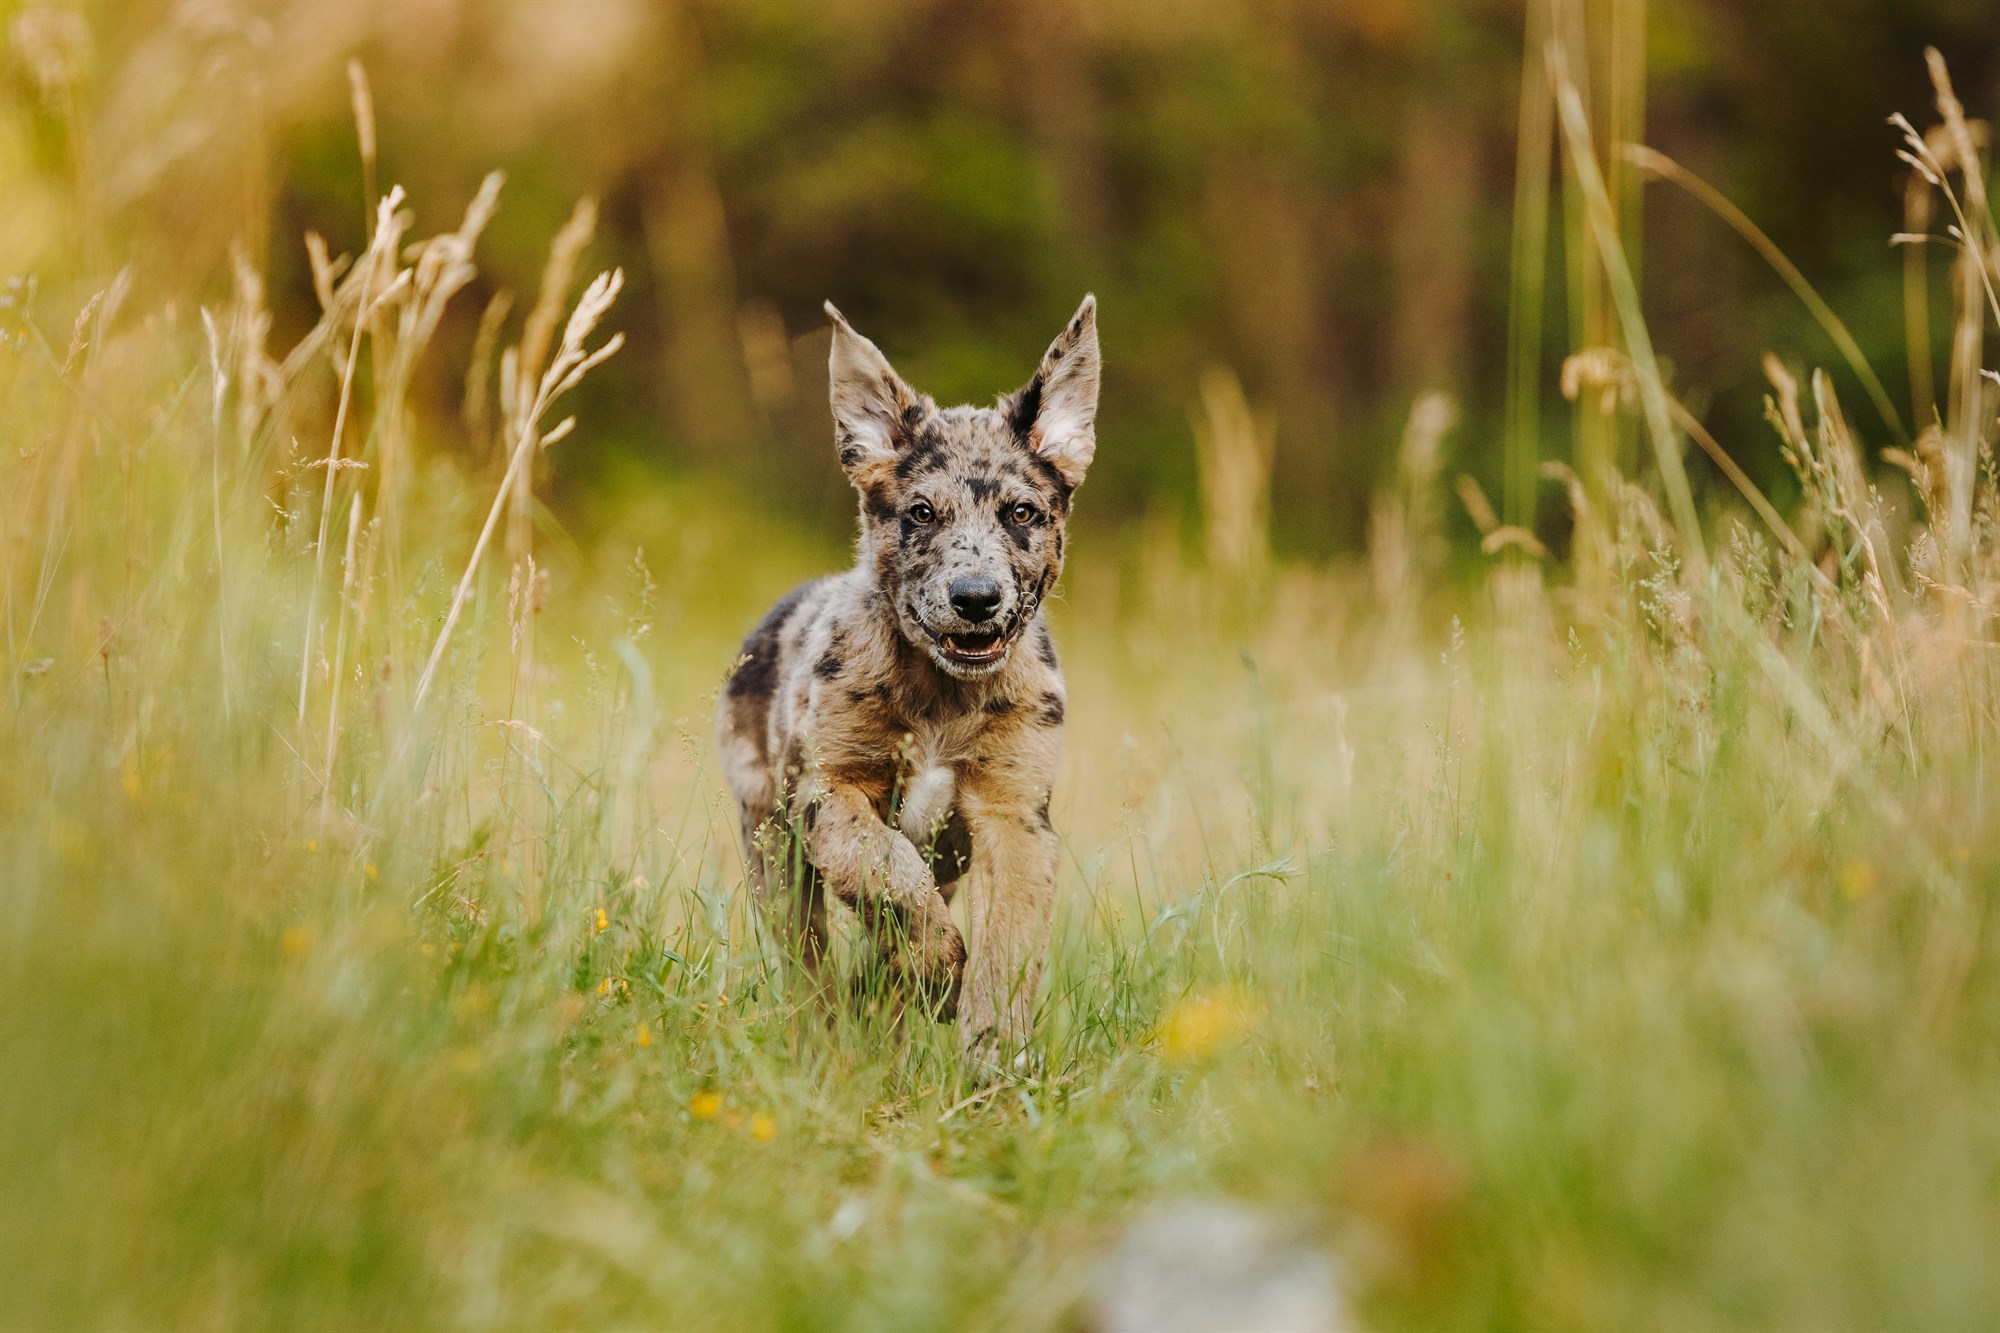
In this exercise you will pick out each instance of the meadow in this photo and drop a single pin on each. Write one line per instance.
(1576, 940)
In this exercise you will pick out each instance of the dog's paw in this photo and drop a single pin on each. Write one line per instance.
(937, 940)
(934, 957)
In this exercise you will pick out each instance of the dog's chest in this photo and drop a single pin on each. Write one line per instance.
(892, 739)
(937, 745)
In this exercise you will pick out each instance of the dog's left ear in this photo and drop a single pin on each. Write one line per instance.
(1055, 413)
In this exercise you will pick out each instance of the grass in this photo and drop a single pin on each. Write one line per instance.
(1582, 946)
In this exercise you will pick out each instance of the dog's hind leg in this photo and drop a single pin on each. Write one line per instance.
(792, 894)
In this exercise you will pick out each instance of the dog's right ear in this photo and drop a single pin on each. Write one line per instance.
(873, 410)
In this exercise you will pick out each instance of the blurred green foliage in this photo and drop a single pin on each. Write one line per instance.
(1314, 195)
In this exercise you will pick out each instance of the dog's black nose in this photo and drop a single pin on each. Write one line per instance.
(975, 599)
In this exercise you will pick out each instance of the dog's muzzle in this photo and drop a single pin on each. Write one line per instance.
(986, 645)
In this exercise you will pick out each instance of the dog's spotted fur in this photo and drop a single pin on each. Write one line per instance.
(900, 744)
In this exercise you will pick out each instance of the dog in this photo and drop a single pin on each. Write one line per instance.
(891, 730)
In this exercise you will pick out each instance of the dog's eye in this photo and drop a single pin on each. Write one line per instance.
(922, 513)
(1023, 513)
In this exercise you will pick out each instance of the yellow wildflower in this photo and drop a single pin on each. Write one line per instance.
(645, 1035)
(763, 1128)
(1858, 880)
(295, 941)
(704, 1104)
(1202, 1023)
(603, 921)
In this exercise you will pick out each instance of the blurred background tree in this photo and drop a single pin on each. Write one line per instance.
(1317, 195)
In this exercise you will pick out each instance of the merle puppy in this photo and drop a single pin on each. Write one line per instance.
(891, 732)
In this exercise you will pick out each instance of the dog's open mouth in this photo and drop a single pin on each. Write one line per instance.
(978, 648)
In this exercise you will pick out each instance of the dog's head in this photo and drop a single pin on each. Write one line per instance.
(963, 508)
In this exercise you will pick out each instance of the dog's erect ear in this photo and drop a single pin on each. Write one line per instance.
(872, 406)
(1055, 413)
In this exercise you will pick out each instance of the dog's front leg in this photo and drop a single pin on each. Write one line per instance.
(881, 875)
(1011, 894)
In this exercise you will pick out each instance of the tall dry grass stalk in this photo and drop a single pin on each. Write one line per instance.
(361, 97)
(527, 585)
(1234, 446)
(1527, 299)
(1622, 285)
(1602, 46)
(1917, 199)
(1407, 545)
(533, 397)
(1591, 323)
(1955, 148)
(358, 295)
